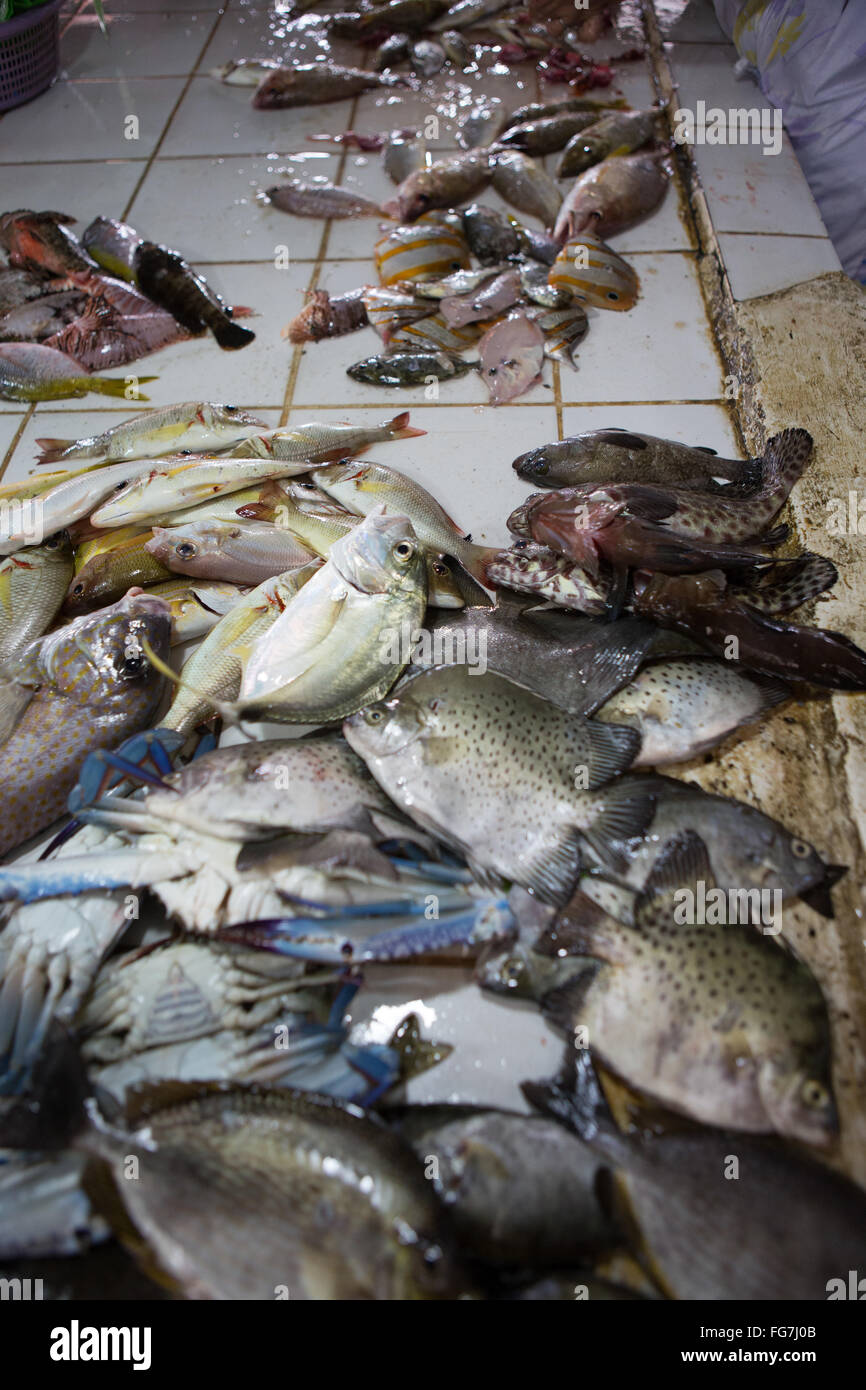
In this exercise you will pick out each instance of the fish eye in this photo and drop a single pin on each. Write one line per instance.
(404, 551)
(373, 716)
(800, 849)
(185, 550)
(814, 1094)
(612, 294)
(78, 590)
(439, 568)
(118, 487)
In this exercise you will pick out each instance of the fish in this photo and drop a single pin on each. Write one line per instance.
(533, 569)
(710, 1045)
(589, 269)
(668, 529)
(434, 333)
(59, 505)
(467, 12)
(564, 330)
(107, 565)
(116, 325)
(612, 196)
(426, 251)
(309, 84)
(748, 850)
(321, 443)
(166, 278)
(43, 241)
(409, 368)
(788, 584)
(616, 134)
(194, 425)
(94, 688)
(538, 288)
(443, 184)
(324, 317)
(213, 671)
(38, 319)
(460, 282)
(339, 643)
(519, 1189)
(248, 1190)
(685, 707)
(573, 662)
(524, 184)
(486, 303)
(698, 1233)
(512, 354)
(703, 607)
(427, 57)
(246, 553)
(356, 140)
(398, 15)
(45, 1209)
(547, 134)
(324, 200)
(390, 307)
(626, 456)
(364, 488)
(538, 246)
(482, 126)
(244, 72)
(32, 584)
(491, 238)
(35, 372)
(393, 51)
(403, 156)
(142, 493)
(196, 606)
(493, 770)
(112, 245)
(248, 791)
(542, 110)
(19, 287)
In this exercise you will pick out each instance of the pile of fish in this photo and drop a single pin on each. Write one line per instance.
(429, 36)
(71, 307)
(482, 784)
(530, 293)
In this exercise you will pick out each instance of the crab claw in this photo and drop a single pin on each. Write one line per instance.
(144, 758)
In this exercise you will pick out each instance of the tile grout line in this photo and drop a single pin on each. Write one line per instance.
(297, 356)
(172, 113)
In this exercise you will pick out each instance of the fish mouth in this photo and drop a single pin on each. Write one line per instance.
(818, 896)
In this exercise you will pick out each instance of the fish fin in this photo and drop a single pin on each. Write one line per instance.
(660, 550)
(574, 1097)
(776, 536)
(649, 503)
(608, 756)
(475, 559)
(626, 809)
(583, 928)
(784, 458)
(243, 311)
(622, 438)
(231, 335)
(553, 874)
(788, 584)
(681, 865)
(53, 449)
(705, 449)
(116, 385)
(401, 429)
(562, 1006)
(150, 1097)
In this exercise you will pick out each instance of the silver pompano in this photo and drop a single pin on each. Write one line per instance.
(197, 425)
(247, 552)
(683, 708)
(493, 770)
(340, 642)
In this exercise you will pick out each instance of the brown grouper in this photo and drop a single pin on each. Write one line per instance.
(94, 688)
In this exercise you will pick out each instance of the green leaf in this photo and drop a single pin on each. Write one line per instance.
(100, 15)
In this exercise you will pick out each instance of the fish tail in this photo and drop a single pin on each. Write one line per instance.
(476, 558)
(399, 428)
(790, 583)
(243, 311)
(784, 460)
(114, 385)
(53, 450)
(231, 335)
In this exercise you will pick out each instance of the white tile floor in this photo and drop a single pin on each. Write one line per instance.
(192, 180)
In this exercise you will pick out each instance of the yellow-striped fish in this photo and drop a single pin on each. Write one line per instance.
(435, 332)
(389, 307)
(564, 330)
(594, 273)
(427, 250)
